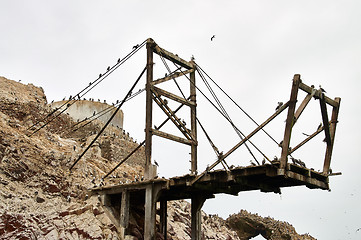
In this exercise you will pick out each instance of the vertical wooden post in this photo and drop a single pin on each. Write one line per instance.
(290, 120)
(124, 212)
(193, 110)
(163, 218)
(196, 206)
(327, 162)
(148, 116)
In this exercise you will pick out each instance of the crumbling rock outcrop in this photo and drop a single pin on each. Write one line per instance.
(248, 225)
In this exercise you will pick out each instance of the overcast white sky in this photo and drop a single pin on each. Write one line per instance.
(259, 46)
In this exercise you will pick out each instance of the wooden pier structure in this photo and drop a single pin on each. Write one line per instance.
(268, 177)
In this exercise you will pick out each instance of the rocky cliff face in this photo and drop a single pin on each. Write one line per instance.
(41, 199)
(248, 225)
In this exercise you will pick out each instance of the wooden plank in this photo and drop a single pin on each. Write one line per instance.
(173, 96)
(317, 95)
(325, 120)
(290, 120)
(172, 57)
(334, 117)
(172, 76)
(172, 137)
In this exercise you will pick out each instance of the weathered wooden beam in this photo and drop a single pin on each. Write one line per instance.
(262, 186)
(171, 115)
(290, 120)
(172, 137)
(310, 182)
(172, 57)
(149, 108)
(307, 139)
(172, 76)
(283, 107)
(193, 114)
(334, 117)
(317, 95)
(304, 103)
(221, 158)
(173, 97)
(325, 120)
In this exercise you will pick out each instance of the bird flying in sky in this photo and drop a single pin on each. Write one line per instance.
(213, 37)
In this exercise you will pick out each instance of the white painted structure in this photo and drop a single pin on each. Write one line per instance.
(81, 109)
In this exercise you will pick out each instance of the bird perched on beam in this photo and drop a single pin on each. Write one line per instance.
(156, 163)
(135, 47)
(213, 37)
(108, 68)
(279, 105)
(322, 90)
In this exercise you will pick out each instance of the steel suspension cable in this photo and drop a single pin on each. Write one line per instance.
(227, 118)
(204, 131)
(226, 114)
(104, 111)
(110, 119)
(198, 67)
(90, 86)
(141, 144)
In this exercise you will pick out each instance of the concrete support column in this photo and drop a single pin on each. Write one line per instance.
(163, 218)
(196, 206)
(151, 197)
(149, 216)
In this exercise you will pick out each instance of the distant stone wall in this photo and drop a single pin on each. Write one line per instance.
(83, 108)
